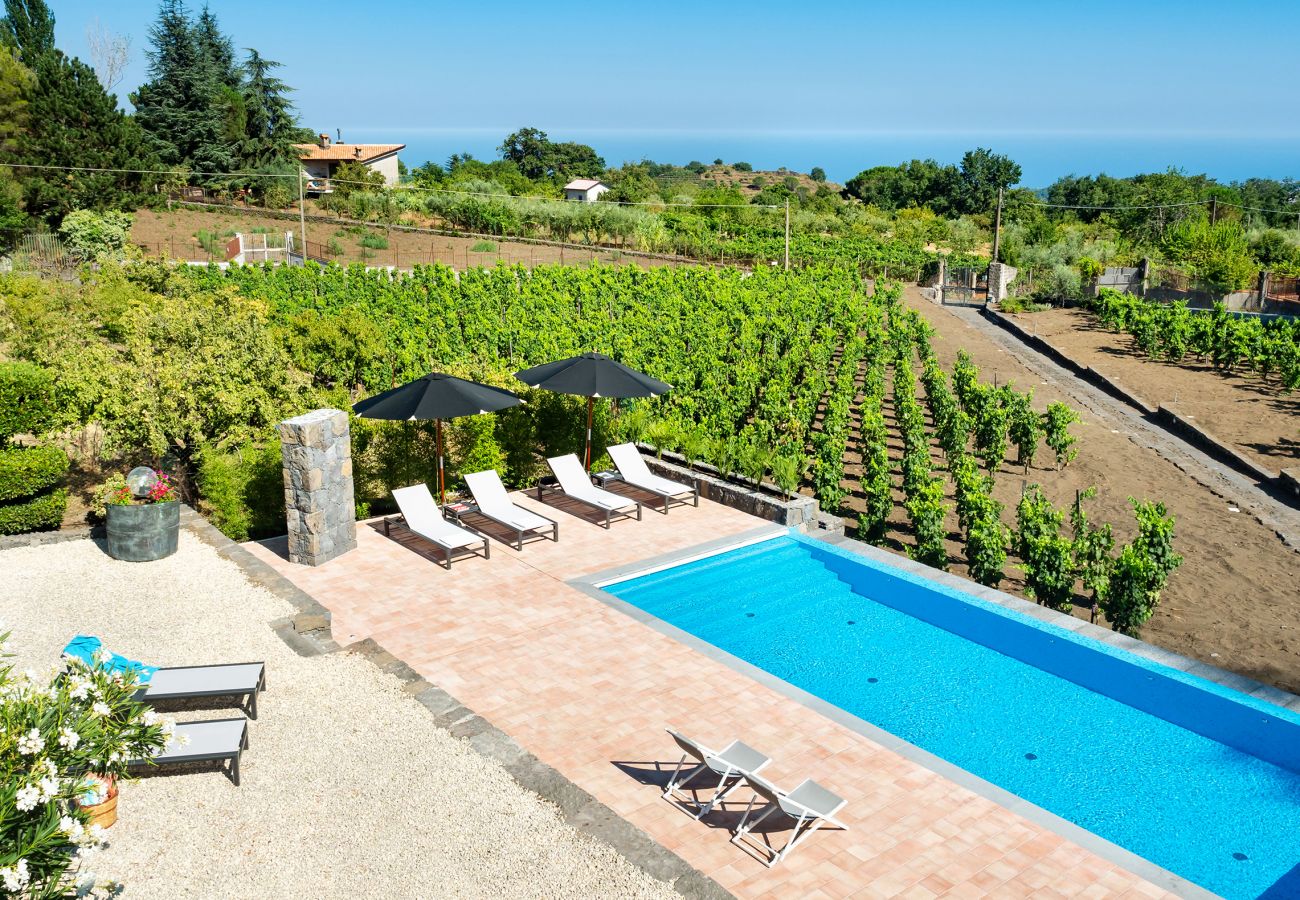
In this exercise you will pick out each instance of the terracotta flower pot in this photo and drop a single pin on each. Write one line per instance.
(103, 814)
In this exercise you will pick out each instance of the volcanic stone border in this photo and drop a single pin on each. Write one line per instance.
(1171, 420)
(590, 585)
(308, 633)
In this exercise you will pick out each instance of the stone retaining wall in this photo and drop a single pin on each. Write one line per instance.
(766, 503)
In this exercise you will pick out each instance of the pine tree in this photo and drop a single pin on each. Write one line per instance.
(185, 106)
(271, 125)
(71, 121)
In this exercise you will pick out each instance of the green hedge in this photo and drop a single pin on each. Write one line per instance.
(26, 471)
(242, 491)
(26, 400)
(45, 512)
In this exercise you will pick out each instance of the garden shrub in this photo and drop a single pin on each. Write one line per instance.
(90, 234)
(243, 490)
(26, 471)
(41, 513)
(26, 399)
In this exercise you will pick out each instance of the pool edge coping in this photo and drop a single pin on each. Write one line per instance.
(1101, 847)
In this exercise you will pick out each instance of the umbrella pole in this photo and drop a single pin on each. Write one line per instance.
(591, 402)
(442, 484)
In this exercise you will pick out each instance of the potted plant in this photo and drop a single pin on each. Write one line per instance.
(62, 733)
(142, 514)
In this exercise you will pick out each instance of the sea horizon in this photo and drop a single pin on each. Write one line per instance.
(1044, 157)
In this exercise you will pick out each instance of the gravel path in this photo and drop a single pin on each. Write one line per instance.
(348, 786)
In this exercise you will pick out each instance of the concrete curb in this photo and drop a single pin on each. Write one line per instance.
(308, 633)
(40, 538)
(1171, 420)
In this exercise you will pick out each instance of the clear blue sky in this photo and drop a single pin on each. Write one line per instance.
(1187, 69)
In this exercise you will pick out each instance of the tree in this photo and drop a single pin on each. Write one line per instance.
(72, 122)
(983, 174)
(28, 28)
(109, 53)
(528, 149)
(742, 167)
(570, 160)
(920, 182)
(817, 174)
(16, 86)
(271, 125)
(187, 107)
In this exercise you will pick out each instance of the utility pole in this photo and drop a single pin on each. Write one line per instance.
(1214, 210)
(997, 228)
(302, 218)
(787, 234)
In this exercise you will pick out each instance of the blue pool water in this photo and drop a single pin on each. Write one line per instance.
(1199, 779)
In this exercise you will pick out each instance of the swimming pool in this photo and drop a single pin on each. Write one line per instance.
(1197, 778)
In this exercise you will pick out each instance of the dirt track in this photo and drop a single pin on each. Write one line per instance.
(1234, 602)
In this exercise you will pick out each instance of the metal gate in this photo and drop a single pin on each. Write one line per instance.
(964, 286)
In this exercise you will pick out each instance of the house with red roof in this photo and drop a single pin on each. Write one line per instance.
(321, 160)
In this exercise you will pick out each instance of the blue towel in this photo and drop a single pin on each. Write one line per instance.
(84, 647)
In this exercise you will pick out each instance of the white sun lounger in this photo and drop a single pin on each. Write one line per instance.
(214, 739)
(422, 517)
(576, 484)
(493, 502)
(633, 470)
(809, 806)
(733, 764)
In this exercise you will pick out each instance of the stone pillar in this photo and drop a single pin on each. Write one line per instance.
(318, 499)
(1000, 277)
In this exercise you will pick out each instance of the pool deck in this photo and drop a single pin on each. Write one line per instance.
(589, 690)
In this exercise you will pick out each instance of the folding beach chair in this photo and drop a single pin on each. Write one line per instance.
(809, 806)
(493, 502)
(732, 765)
(576, 484)
(422, 517)
(633, 470)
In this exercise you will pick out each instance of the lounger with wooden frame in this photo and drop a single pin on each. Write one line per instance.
(242, 680)
(732, 765)
(633, 470)
(809, 806)
(422, 517)
(212, 740)
(576, 484)
(494, 503)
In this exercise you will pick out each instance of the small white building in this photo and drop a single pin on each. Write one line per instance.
(321, 159)
(586, 190)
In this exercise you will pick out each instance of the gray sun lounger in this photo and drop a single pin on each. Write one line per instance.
(211, 740)
(225, 680)
(422, 517)
(495, 504)
(808, 806)
(576, 484)
(732, 765)
(633, 470)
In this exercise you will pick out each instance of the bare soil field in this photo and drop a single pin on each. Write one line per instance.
(1233, 603)
(175, 233)
(1252, 414)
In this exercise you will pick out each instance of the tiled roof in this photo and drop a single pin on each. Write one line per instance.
(581, 184)
(342, 152)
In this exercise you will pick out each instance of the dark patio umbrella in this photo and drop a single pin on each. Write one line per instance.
(592, 375)
(436, 396)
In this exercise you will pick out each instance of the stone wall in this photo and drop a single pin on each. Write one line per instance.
(318, 497)
(1000, 277)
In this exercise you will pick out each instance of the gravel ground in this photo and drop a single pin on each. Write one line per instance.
(348, 786)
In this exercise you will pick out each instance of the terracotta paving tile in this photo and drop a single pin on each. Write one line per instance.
(584, 687)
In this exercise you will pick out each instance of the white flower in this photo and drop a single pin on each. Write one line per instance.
(27, 798)
(72, 827)
(15, 877)
(69, 738)
(31, 743)
(183, 739)
(150, 717)
(99, 708)
(80, 689)
(49, 788)
(114, 757)
(48, 767)
(102, 656)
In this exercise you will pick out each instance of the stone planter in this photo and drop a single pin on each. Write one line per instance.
(143, 533)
